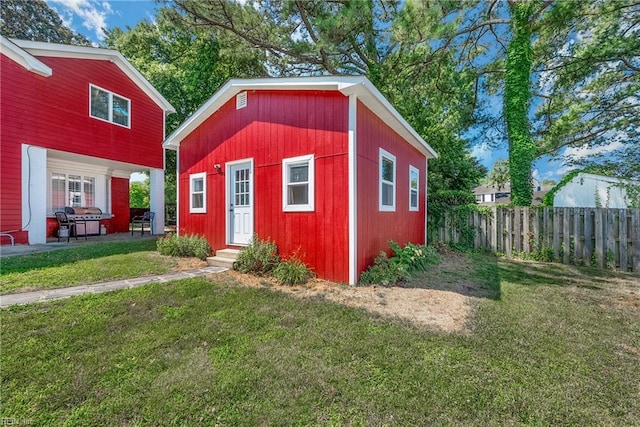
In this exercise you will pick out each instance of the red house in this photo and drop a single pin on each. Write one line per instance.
(324, 166)
(75, 123)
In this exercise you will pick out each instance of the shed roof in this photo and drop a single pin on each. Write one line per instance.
(25, 53)
(360, 86)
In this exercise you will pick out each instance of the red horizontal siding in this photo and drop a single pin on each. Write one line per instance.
(53, 112)
(276, 125)
(376, 228)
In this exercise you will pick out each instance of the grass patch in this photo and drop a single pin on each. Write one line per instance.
(81, 265)
(543, 352)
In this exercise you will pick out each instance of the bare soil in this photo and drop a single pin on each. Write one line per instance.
(423, 302)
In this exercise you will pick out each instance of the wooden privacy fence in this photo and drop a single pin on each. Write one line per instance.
(606, 238)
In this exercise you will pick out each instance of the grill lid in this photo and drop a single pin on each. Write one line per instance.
(89, 210)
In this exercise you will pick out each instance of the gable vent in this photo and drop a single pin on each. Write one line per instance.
(241, 100)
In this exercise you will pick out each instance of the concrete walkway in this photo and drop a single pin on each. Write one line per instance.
(53, 294)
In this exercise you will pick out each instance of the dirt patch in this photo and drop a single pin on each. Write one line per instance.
(425, 308)
(189, 264)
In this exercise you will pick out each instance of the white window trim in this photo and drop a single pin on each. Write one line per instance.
(111, 94)
(300, 160)
(385, 154)
(192, 177)
(415, 208)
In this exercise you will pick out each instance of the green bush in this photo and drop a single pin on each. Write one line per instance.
(384, 272)
(184, 246)
(292, 272)
(260, 257)
(414, 257)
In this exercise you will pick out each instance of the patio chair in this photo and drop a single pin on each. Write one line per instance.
(147, 218)
(64, 222)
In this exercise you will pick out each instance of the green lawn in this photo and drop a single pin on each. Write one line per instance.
(548, 345)
(93, 263)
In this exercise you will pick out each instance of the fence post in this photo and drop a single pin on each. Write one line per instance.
(635, 240)
(577, 236)
(508, 228)
(624, 246)
(556, 233)
(493, 238)
(526, 239)
(566, 235)
(610, 255)
(589, 220)
(517, 230)
(599, 232)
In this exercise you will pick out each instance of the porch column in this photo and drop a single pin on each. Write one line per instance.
(34, 193)
(156, 189)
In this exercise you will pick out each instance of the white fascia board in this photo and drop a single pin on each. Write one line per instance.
(94, 53)
(23, 58)
(376, 102)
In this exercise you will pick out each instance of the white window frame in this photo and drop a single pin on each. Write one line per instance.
(83, 195)
(192, 178)
(413, 169)
(111, 95)
(383, 154)
(294, 161)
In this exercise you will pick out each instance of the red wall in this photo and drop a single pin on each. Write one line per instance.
(273, 126)
(376, 228)
(53, 112)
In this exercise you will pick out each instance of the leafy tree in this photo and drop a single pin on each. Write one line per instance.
(139, 194)
(499, 175)
(34, 20)
(376, 38)
(186, 64)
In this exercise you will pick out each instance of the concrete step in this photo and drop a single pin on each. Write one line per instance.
(223, 258)
(218, 261)
(228, 253)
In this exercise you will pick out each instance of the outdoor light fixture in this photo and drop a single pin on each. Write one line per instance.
(218, 167)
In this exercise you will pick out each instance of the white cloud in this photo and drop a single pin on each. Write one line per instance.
(482, 152)
(585, 150)
(92, 14)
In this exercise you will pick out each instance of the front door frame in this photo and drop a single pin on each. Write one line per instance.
(228, 217)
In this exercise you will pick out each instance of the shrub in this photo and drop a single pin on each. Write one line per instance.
(414, 257)
(184, 246)
(260, 257)
(292, 272)
(384, 272)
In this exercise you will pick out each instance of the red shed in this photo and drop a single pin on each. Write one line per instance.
(324, 166)
(76, 122)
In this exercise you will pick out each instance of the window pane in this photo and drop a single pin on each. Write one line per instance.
(387, 194)
(414, 199)
(120, 111)
(387, 169)
(99, 103)
(299, 173)
(75, 191)
(198, 185)
(197, 200)
(414, 181)
(58, 189)
(299, 194)
(89, 191)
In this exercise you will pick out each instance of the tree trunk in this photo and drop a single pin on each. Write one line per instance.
(517, 98)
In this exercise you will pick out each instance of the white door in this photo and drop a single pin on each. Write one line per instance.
(240, 203)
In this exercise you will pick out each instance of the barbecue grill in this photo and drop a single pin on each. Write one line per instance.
(88, 219)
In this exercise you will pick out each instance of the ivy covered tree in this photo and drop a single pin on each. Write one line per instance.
(380, 39)
(34, 20)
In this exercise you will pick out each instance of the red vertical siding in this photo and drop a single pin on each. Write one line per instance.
(376, 228)
(277, 125)
(53, 112)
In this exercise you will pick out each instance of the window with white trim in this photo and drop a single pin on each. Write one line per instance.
(298, 184)
(414, 185)
(108, 106)
(198, 192)
(72, 190)
(387, 184)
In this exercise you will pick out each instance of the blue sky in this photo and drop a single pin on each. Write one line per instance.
(89, 17)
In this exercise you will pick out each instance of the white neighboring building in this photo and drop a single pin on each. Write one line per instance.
(586, 190)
